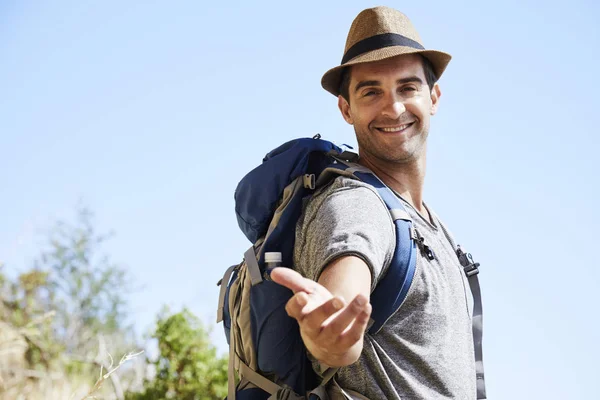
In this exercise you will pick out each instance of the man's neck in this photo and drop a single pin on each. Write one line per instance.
(406, 179)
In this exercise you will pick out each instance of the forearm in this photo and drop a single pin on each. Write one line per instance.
(346, 277)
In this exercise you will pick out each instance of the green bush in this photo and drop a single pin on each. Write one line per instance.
(187, 367)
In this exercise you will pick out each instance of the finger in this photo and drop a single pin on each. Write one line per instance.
(312, 320)
(342, 321)
(292, 280)
(295, 305)
(356, 332)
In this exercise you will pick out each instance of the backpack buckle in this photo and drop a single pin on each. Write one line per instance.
(420, 240)
(470, 267)
(309, 181)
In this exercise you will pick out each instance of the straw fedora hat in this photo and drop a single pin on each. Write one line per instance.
(376, 34)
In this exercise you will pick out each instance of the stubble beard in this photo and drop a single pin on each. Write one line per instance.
(410, 150)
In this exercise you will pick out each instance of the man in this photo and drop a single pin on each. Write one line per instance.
(386, 88)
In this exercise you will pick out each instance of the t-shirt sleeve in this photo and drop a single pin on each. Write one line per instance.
(345, 219)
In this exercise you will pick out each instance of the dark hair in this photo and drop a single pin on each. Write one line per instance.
(430, 77)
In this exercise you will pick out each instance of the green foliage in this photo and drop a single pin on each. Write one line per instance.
(187, 367)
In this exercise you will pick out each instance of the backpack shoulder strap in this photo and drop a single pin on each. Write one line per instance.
(471, 269)
(390, 292)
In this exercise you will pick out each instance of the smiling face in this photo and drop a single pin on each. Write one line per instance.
(390, 105)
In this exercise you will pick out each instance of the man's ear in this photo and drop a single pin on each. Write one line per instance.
(345, 109)
(436, 93)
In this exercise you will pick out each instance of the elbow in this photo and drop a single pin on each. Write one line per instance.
(345, 359)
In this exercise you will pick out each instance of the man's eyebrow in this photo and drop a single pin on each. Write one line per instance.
(362, 84)
(409, 79)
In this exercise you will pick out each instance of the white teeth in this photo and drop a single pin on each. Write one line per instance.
(395, 129)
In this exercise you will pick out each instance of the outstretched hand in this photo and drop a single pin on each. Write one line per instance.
(330, 327)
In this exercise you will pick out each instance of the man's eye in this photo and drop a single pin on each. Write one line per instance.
(408, 89)
(370, 93)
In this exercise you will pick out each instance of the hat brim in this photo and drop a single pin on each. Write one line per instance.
(332, 78)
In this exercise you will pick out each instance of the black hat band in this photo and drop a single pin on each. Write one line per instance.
(378, 42)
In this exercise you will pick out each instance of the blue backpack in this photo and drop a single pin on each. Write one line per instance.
(265, 346)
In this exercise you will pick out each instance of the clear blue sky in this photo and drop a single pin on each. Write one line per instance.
(151, 112)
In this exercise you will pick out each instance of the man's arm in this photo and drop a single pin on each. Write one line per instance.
(333, 313)
(348, 223)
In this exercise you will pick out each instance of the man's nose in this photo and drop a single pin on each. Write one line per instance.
(394, 107)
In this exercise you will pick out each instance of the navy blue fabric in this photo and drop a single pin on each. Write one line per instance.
(258, 192)
(276, 336)
(274, 333)
(390, 293)
(252, 394)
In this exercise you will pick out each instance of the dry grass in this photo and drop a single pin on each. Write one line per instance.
(109, 374)
(36, 385)
(19, 382)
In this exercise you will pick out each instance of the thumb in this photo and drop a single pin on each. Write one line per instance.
(292, 280)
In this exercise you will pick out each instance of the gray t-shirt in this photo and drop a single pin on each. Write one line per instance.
(425, 350)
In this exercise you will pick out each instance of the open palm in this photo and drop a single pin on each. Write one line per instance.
(329, 325)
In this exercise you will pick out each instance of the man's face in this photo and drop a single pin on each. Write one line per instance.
(390, 107)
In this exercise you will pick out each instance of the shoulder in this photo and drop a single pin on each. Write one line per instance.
(347, 217)
(344, 193)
